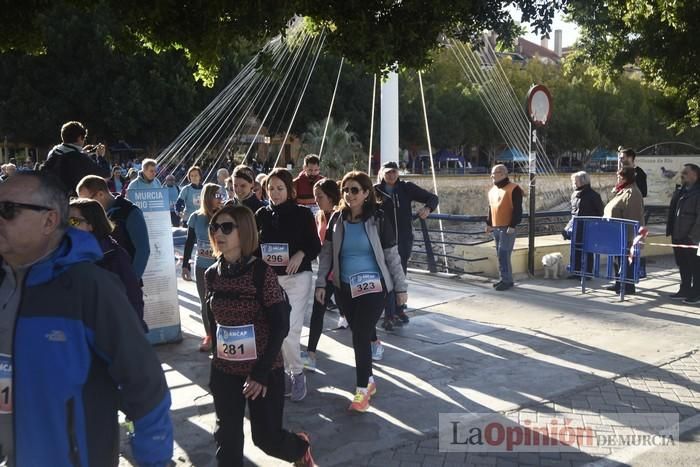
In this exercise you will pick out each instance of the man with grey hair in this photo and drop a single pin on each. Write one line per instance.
(146, 179)
(70, 354)
(504, 214)
(585, 201)
(221, 176)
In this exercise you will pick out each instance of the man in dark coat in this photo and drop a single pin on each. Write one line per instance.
(683, 226)
(628, 158)
(69, 162)
(397, 196)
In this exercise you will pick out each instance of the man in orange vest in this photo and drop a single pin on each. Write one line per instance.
(505, 213)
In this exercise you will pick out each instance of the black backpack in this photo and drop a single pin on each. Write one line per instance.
(259, 271)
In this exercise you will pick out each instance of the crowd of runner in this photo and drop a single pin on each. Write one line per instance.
(252, 239)
(74, 249)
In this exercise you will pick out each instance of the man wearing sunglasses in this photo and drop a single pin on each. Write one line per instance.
(68, 161)
(69, 354)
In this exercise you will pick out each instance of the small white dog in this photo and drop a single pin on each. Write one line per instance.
(553, 265)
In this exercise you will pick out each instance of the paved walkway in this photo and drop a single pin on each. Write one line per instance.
(671, 388)
(539, 347)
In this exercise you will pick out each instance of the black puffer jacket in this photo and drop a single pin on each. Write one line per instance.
(585, 201)
(397, 205)
(683, 224)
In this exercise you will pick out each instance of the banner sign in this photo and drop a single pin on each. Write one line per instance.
(162, 309)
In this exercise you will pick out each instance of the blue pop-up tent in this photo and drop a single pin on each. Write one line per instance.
(512, 155)
(443, 156)
(604, 155)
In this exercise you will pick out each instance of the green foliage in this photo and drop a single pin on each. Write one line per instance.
(143, 97)
(585, 115)
(658, 36)
(342, 152)
(374, 33)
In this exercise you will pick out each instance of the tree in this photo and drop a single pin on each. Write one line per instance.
(375, 33)
(342, 152)
(658, 36)
(143, 97)
(624, 112)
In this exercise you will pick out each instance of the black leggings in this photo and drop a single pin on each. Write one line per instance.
(317, 312)
(362, 314)
(202, 292)
(265, 419)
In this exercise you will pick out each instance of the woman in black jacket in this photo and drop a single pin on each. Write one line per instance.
(585, 201)
(240, 188)
(288, 243)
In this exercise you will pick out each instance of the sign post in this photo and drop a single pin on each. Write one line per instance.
(539, 110)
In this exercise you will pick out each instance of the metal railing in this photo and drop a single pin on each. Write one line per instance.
(433, 248)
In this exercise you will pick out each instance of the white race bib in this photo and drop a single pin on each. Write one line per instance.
(275, 254)
(365, 282)
(204, 250)
(5, 384)
(236, 343)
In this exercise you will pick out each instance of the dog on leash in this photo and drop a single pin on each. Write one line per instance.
(553, 265)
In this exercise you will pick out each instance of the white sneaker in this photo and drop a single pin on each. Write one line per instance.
(343, 323)
(377, 350)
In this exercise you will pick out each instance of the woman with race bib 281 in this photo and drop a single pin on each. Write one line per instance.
(360, 246)
(249, 319)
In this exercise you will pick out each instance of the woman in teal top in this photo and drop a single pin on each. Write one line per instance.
(190, 195)
(356, 255)
(198, 232)
(360, 248)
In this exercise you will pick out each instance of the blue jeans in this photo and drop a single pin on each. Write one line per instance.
(504, 248)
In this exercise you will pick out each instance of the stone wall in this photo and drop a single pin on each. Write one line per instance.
(466, 194)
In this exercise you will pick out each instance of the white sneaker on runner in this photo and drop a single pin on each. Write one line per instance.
(377, 350)
(342, 322)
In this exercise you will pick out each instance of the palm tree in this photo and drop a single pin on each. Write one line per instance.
(342, 151)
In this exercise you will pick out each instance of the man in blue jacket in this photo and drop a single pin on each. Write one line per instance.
(397, 196)
(130, 229)
(146, 179)
(70, 357)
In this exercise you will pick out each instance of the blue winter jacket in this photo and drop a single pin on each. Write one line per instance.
(189, 199)
(78, 358)
(142, 184)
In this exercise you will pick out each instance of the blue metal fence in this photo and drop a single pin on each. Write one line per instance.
(593, 237)
(466, 231)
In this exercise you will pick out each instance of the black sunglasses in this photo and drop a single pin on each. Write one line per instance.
(351, 189)
(226, 227)
(8, 209)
